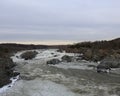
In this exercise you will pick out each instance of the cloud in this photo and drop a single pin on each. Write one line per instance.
(37, 20)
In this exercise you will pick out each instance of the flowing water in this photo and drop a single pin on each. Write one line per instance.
(77, 78)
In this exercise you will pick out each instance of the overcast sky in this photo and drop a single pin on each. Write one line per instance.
(59, 20)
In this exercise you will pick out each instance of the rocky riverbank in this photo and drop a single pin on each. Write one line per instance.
(6, 63)
(6, 71)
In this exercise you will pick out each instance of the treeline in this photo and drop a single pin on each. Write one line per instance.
(10, 48)
(112, 44)
(95, 51)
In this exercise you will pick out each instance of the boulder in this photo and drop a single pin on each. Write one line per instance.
(103, 68)
(67, 58)
(28, 55)
(53, 61)
(60, 50)
(16, 74)
(108, 63)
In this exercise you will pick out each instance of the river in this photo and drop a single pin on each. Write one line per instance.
(75, 78)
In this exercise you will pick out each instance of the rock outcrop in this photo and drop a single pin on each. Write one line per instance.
(67, 58)
(6, 71)
(29, 55)
(110, 62)
(53, 61)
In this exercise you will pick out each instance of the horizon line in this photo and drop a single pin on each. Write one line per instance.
(53, 42)
(40, 42)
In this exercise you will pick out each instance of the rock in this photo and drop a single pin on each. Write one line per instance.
(67, 58)
(17, 56)
(16, 74)
(55, 55)
(104, 69)
(6, 71)
(28, 55)
(60, 50)
(4, 81)
(108, 63)
(53, 61)
(9, 86)
(52, 53)
(92, 66)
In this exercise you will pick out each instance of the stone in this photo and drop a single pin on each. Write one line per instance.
(67, 58)
(53, 61)
(108, 63)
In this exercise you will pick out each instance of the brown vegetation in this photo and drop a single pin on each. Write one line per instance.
(95, 51)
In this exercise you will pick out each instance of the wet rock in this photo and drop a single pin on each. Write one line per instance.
(92, 66)
(9, 73)
(103, 70)
(55, 55)
(53, 61)
(60, 50)
(4, 81)
(16, 74)
(17, 56)
(9, 86)
(67, 58)
(6, 72)
(110, 62)
(28, 55)
(52, 53)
